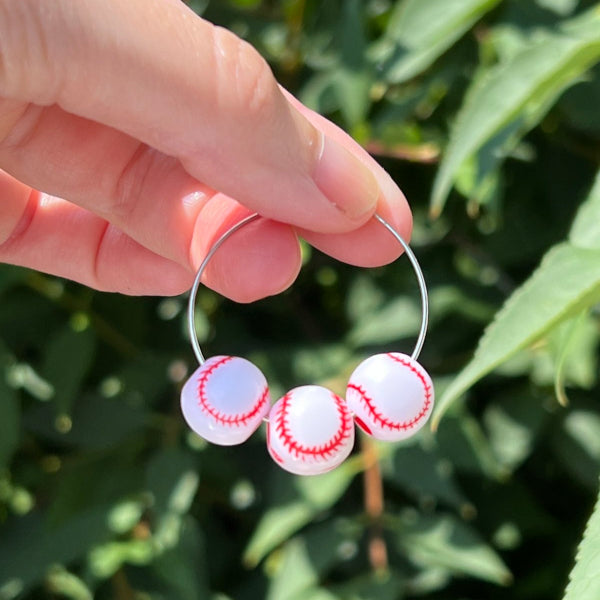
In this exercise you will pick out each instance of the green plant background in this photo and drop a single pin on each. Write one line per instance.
(487, 113)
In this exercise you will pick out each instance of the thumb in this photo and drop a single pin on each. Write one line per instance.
(191, 90)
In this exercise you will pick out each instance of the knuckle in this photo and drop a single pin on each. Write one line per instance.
(245, 83)
(97, 261)
(27, 64)
(130, 184)
(19, 122)
(14, 229)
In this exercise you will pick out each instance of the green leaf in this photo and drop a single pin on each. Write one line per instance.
(384, 586)
(184, 567)
(560, 7)
(306, 560)
(584, 582)
(276, 525)
(343, 76)
(106, 559)
(331, 541)
(323, 491)
(30, 546)
(576, 357)
(400, 317)
(67, 585)
(585, 231)
(445, 542)
(419, 32)
(67, 361)
(577, 446)
(423, 475)
(478, 178)
(173, 481)
(125, 515)
(584, 427)
(578, 106)
(567, 280)
(352, 77)
(316, 594)
(23, 376)
(518, 93)
(288, 515)
(170, 478)
(83, 484)
(512, 428)
(295, 574)
(397, 319)
(463, 442)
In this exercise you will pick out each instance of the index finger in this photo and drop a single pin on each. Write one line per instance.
(193, 91)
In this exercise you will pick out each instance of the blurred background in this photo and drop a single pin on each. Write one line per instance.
(487, 114)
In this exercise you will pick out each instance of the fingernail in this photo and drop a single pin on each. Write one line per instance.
(348, 184)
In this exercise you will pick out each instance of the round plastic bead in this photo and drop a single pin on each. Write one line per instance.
(391, 396)
(225, 400)
(310, 431)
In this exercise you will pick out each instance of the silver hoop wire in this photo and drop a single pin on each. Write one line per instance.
(249, 219)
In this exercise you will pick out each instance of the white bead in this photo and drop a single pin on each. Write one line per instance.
(391, 396)
(310, 431)
(225, 400)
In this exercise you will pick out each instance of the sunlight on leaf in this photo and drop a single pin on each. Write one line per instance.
(419, 32)
(584, 582)
(585, 231)
(294, 575)
(531, 311)
(443, 541)
(352, 79)
(67, 585)
(515, 92)
(563, 360)
(184, 567)
(105, 560)
(276, 525)
(281, 521)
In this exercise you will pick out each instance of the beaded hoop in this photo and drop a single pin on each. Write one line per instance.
(310, 429)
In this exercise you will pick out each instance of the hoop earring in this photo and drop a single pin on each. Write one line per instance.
(310, 430)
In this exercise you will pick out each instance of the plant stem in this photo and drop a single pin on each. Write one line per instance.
(374, 504)
(121, 586)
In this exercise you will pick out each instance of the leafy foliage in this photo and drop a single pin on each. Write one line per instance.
(486, 113)
(507, 100)
(540, 305)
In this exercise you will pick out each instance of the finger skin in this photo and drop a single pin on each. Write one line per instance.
(55, 236)
(143, 192)
(149, 195)
(365, 246)
(61, 238)
(190, 90)
(263, 258)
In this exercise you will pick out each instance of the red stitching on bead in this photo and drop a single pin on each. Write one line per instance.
(378, 417)
(274, 454)
(324, 451)
(231, 420)
(363, 425)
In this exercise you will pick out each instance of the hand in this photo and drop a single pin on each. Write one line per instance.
(151, 131)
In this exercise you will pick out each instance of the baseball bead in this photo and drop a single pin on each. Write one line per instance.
(225, 400)
(391, 396)
(310, 431)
